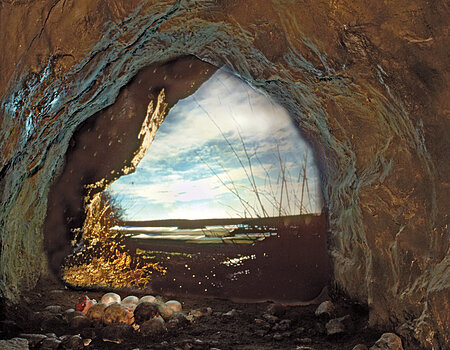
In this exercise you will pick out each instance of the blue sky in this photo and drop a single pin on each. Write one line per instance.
(192, 172)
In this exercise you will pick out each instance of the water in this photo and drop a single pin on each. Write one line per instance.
(287, 263)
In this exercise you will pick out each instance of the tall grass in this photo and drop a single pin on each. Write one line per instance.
(101, 257)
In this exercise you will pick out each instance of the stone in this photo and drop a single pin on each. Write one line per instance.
(145, 311)
(180, 317)
(110, 298)
(14, 344)
(52, 322)
(175, 305)
(96, 312)
(116, 332)
(79, 322)
(326, 308)
(360, 347)
(270, 318)
(54, 309)
(231, 313)
(69, 314)
(303, 347)
(388, 341)
(33, 339)
(277, 336)
(276, 309)
(9, 329)
(303, 341)
(153, 327)
(130, 300)
(74, 342)
(147, 298)
(172, 324)
(165, 311)
(282, 326)
(260, 332)
(335, 326)
(115, 313)
(50, 343)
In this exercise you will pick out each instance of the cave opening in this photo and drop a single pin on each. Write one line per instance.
(225, 202)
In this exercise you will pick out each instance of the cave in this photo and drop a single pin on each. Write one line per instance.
(366, 85)
(267, 239)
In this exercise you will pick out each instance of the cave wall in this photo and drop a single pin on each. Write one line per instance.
(365, 81)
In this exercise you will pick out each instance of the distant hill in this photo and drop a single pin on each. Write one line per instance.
(202, 223)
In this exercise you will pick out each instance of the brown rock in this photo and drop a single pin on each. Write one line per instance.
(360, 347)
(74, 342)
(79, 322)
(116, 332)
(96, 313)
(115, 313)
(153, 327)
(145, 311)
(388, 341)
(14, 344)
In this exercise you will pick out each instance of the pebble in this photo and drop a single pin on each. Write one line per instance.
(130, 300)
(335, 326)
(115, 313)
(303, 341)
(96, 313)
(153, 327)
(110, 298)
(147, 298)
(277, 336)
(145, 311)
(33, 339)
(388, 341)
(276, 309)
(172, 324)
(54, 309)
(74, 342)
(79, 322)
(326, 308)
(283, 325)
(52, 322)
(302, 347)
(262, 324)
(50, 343)
(260, 333)
(165, 311)
(299, 331)
(180, 317)
(231, 313)
(69, 314)
(270, 318)
(116, 332)
(14, 344)
(9, 329)
(360, 347)
(338, 325)
(174, 305)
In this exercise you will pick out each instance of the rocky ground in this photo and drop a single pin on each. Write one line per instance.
(41, 322)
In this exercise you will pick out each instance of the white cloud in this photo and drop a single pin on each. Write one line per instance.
(173, 182)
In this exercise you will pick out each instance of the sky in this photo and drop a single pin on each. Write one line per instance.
(222, 153)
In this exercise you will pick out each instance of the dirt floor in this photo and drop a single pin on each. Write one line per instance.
(250, 326)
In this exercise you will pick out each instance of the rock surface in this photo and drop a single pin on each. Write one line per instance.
(388, 341)
(364, 82)
(14, 344)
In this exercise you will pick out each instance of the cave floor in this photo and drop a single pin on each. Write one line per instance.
(246, 328)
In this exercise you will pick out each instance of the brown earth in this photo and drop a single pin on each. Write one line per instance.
(214, 331)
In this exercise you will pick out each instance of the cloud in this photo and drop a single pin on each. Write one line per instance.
(175, 178)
